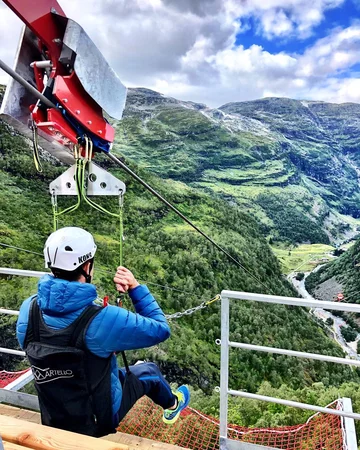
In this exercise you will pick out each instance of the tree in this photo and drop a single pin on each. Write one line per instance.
(336, 313)
(329, 321)
(300, 276)
(349, 334)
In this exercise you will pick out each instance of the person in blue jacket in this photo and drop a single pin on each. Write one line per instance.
(63, 298)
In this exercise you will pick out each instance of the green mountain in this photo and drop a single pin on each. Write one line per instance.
(181, 268)
(291, 164)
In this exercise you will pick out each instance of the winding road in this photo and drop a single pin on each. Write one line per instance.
(322, 314)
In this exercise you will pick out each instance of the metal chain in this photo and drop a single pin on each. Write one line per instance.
(190, 311)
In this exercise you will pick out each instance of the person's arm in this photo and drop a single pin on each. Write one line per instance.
(116, 329)
(22, 322)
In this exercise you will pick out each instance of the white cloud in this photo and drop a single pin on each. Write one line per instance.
(276, 23)
(10, 27)
(335, 90)
(333, 54)
(282, 18)
(185, 48)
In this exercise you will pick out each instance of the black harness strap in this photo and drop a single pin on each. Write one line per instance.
(81, 324)
(34, 319)
(126, 365)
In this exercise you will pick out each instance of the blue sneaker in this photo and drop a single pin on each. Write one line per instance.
(183, 395)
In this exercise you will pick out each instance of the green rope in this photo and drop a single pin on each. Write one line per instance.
(105, 211)
(54, 210)
(80, 175)
(36, 155)
(121, 228)
(79, 181)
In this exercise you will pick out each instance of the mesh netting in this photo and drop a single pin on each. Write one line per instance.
(197, 431)
(8, 377)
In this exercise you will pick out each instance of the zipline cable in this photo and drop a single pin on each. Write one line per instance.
(47, 102)
(177, 315)
(165, 287)
(183, 217)
(21, 249)
(27, 85)
(98, 269)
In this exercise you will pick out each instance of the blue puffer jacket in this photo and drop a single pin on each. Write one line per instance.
(113, 329)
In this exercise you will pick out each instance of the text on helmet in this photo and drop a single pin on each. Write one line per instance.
(84, 258)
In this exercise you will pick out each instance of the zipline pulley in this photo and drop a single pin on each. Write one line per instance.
(85, 179)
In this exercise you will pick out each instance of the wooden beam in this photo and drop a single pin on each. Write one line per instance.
(133, 442)
(11, 446)
(140, 443)
(39, 437)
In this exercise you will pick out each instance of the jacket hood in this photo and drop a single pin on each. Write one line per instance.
(57, 296)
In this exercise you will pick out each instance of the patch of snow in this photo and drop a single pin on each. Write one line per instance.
(235, 123)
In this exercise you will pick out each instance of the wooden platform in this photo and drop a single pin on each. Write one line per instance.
(20, 429)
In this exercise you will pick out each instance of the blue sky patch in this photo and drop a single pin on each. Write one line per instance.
(342, 16)
(353, 72)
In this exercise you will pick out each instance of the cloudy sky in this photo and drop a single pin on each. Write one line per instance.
(218, 51)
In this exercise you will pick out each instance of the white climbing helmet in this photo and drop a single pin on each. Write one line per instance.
(69, 248)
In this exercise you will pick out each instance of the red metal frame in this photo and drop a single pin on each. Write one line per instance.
(72, 96)
(53, 124)
(39, 78)
(45, 20)
(38, 16)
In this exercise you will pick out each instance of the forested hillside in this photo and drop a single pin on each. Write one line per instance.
(160, 249)
(344, 272)
(291, 164)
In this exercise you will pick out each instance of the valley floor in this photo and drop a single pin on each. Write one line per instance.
(304, 257)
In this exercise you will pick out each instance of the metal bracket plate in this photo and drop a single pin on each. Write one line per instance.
(99, 182)
(96, 76)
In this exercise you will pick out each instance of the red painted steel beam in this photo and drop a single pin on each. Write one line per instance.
(38, 16)
(47, 21)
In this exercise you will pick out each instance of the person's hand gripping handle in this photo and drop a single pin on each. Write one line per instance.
(124, 280)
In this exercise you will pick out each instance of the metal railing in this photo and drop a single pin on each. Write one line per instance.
(10, 351)
(31, 401)
(22, 273)
(9, 394)
(226, 344)
(11, 312)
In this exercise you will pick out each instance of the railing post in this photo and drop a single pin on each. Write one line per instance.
(349, 426)
(224, 371)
